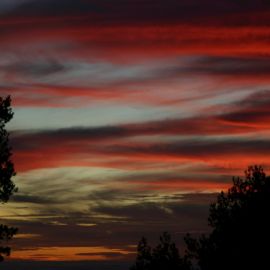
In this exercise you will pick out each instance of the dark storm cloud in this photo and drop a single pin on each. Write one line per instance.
(188, 214)
(138, 11)
(58, 152)
(231, 66)
(171, 177)
(160, 213)
(160, 210)
(8, 5)
(239, 118)
(60, 7)
(257, 100)
(32, 199)
(254, 109)
(195, 148)
(112, 195)
(33, 139)
(247, 116)
(180, 217)
(199, 198)
(135, 212)
(76, 136)
(33, 68)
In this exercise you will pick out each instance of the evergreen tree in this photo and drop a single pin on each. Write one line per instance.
(240, 220)
(164, 256)
(7, 187)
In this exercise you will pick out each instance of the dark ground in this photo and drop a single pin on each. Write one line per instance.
(86, 265)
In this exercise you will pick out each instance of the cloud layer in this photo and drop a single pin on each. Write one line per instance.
(129, 118)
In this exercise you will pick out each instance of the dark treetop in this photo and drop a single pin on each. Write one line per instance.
(240, 236)
(241, 226)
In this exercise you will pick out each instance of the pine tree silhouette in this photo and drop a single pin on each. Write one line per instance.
(240, 220)
(7, 187)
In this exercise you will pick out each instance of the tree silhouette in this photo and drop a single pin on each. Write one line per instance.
(164, 256)
(240, 220)
(144, 256)
(7, 187)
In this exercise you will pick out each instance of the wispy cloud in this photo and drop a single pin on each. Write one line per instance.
(129, 117)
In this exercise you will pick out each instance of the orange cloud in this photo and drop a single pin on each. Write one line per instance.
(75, 253)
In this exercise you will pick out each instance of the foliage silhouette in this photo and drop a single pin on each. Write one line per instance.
(164, 256)
(241, 227)
(7, 187)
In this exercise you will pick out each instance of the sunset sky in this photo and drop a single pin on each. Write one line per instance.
(129, 117)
